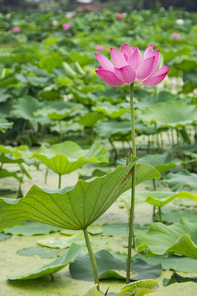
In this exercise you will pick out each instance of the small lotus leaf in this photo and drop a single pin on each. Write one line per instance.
(5, 125)
(176, 263)
(156, 198)
(39, 251)
(171, 215)
(177, 278)
(93, 291)
(141, 288)
(179, 237)
(29, 228)
(162, 162)
(69, 256)
(67, 126)
(112, 111)
(90, 119)
(5, 173)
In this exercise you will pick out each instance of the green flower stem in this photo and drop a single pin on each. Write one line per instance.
(59, 181)
(92, 258)
(131, 219)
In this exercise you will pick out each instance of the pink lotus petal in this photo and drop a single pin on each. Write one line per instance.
(157, 77)
(104, 62)
(157, 59)
(117, 58)
(145, 68)
(130, 50)
(109, 78)
(148, 52)
(125, 74)
(135, 59)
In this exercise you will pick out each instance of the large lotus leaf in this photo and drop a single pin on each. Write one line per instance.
(25, 108)
(141, 288)
(180, 238)
(162, 162)
(156, 198)
(66, 157)
(112, 111)
(181, 180)
(172, 114)
(74, 207)
(57, 110)
(67, 126)
(112, 127)
(69, 256)
(5, 125)
(111, 268)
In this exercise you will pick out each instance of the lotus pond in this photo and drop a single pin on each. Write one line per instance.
(98, 169)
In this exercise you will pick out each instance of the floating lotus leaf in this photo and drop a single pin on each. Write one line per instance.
(172, 114)
(74, 207)
(69, 256)
(180, 238)
(5, 125)
(162, 162)
(182, 179)
(156, 198)
(39, 251)
(111, 268)
(177, 278)
(66, 157)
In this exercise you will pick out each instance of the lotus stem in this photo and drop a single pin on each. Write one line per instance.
(59, 182)
(92, 258)
(160, 216)
(46, 175)
(131, 218)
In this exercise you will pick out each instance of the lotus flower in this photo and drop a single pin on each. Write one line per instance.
(54, 23)
(176, 36)
(129, 66)
(179, 22)
(66, 26)
(16, 29)
(100, 47)
(120, 16)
